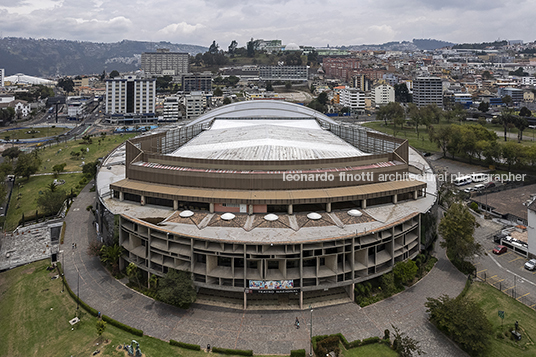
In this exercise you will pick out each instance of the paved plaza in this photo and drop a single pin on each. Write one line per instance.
(264, 332)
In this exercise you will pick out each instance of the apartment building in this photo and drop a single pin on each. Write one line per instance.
(352, 98)
(171, 111)
(428, 90)
(283, 73)
(197, 82)
(195, 104)
(164, 63)
(383, 94)
(130, 95)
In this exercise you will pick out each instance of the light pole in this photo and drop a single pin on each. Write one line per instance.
(311, 351)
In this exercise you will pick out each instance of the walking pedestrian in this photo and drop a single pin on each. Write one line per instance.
(297, 323)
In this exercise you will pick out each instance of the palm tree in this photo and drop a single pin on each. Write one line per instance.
(110, 254)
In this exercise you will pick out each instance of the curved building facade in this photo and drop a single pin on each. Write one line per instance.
(267, 202)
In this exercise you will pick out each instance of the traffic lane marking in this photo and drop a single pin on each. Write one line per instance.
(513, 260)
(522, 296)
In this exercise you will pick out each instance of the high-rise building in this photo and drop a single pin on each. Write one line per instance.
(195, 104)
(1, 77)
(171, 110)
(197, 82)
(130, 95)
(164, 63)
(428, 90)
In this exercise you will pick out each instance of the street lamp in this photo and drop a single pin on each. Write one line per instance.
(311, 352)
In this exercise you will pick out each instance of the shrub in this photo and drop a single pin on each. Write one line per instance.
(297, 353)
(228, 351)
(188, 346)
(327, 345)
(474, 206)
(370, 341)
(122, 326)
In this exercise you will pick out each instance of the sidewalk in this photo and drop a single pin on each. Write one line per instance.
(264, 332)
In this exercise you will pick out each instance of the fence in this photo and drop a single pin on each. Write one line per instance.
(511, 287)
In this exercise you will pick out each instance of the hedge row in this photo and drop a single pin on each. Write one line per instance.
(85, 306)
(228, 351)
(297, 353)
(95, 313)
(344, 341)
(122, 326)
(188, 346)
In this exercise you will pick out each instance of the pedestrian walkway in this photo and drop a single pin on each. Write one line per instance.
(264, 332)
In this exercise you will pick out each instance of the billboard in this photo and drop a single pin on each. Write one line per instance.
(271, 284)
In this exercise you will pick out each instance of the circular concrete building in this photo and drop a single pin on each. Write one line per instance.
(267, 203)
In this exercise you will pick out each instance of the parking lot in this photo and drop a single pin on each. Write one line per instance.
(506, 271)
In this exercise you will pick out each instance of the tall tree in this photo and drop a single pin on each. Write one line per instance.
(483, 107)
(214, 48)
(457, 227)
(404, 345)
(251, 48)
(463, 320)
(177, 288)
(521, 124)
(114, 74)
(27, 164)
(525, 112)
(506, 118)
(232, 47)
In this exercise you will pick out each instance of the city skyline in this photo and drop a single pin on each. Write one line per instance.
(316, 24)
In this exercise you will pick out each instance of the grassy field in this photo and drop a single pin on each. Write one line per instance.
(30, 133)
(24, 198)
(35, 318)
(492, 300)
(61, 153)
(422, 143)
(376, 350)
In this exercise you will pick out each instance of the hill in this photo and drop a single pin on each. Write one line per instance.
(50, 57)
(415, 45)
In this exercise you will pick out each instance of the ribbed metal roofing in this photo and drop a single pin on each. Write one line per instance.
(266, 139)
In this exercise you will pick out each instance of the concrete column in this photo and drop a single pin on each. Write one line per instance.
(328, 207)
(245, 300)
(142, 200)
(250, 209)
(148, 280)
(121, 196)
(364, 203)
(175, 205)
(211, 207)
(352, 292)
(290, 209)
(395, 198)
(301, 299)
(415, 195)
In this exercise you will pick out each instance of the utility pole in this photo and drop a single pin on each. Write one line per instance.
(311, 351)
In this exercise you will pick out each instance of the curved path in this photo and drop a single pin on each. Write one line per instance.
(265, 332)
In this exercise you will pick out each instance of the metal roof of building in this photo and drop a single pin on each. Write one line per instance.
(266, 139)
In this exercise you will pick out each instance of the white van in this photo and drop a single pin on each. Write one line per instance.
(462, 180)
(479, 187)
(478, 177)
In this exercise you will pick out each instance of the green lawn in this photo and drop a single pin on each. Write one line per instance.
(376, 350)
(492, 300)
(420, 143)
(61, 153)
(34, 321)
(24, 199)
(28, 133)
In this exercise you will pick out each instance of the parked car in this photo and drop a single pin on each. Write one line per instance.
(500, 249)
(531, 264)
(479, 187)
(489, 184)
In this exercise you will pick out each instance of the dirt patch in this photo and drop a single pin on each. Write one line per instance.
(28, 271)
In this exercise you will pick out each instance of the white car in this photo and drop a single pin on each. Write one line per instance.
(531, 264)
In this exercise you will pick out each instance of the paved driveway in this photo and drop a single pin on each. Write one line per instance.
(265, 332)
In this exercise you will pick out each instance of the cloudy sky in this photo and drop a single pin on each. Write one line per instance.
(313, 22)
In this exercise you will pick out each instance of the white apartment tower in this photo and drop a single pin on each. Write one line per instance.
(352, 98)
(383, 94)
(130, 95)
(428, 90)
